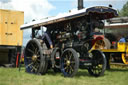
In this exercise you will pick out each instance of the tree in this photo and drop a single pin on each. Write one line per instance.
(124, 10)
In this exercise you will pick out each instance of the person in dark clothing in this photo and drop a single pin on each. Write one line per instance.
(121, 38)
(45, 35)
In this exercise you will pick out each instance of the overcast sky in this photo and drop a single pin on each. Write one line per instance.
(37, 9)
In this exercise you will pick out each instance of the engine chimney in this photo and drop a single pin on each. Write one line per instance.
(80, 4)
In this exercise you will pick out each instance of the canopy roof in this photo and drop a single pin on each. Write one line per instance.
(98, 11)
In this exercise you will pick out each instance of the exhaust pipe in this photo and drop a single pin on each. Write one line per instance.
(80, 4)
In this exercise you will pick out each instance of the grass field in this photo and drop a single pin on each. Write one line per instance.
(11, 76)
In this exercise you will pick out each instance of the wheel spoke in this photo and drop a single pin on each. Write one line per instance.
(95, 70)
(35, 50)
(28, 57)
(66, 57)
(70, 56)
(72, 62)
(33, 65)
(65, 67)
(30, 50)
(99, 70)
(99, 66)
(30, 64)
(32, 45)
(71, 68)
(33, 69)
(38, 60)
(36, 65)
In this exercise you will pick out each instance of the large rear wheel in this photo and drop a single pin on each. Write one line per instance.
(99, 63)
(35, 61)
(69, 62)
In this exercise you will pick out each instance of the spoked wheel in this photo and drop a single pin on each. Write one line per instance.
(34, 60)
(99, 63)
(69, 62)
(125, 58)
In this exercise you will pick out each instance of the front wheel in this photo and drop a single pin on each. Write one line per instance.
(69, 62)
(35, 61)
(99, 63)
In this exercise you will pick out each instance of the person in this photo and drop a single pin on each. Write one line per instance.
(46, 35)
(121, 38)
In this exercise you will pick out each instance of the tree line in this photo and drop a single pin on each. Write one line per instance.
(124, 11)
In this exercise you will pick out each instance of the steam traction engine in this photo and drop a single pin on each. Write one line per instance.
(67, 43)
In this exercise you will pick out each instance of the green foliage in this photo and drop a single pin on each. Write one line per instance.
(11, 76)
(124, 10)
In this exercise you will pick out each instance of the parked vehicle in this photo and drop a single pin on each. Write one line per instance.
(67, 43)
(10, 36)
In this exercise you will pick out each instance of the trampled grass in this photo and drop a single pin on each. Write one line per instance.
(11, 76)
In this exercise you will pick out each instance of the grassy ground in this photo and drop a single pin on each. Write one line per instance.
(11, 76)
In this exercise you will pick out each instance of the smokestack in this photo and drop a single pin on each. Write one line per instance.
(80, 4)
